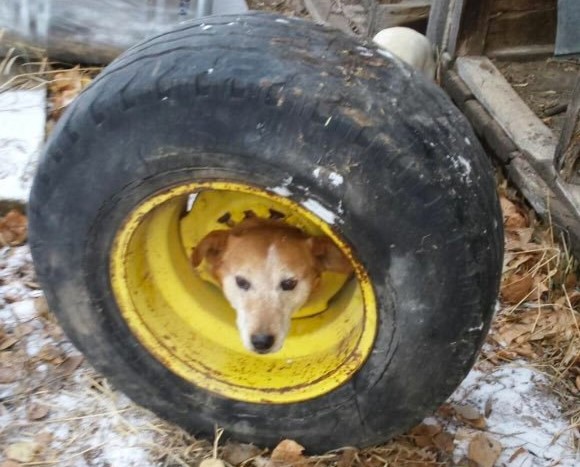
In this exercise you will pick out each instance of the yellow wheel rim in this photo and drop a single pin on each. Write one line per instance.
(186, 323)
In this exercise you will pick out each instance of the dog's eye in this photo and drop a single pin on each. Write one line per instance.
(288, 284)
(243, 284)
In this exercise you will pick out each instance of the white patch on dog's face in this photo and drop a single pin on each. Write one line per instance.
(265, 294)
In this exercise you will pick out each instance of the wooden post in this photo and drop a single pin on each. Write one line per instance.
(473, 29)
(567, 158)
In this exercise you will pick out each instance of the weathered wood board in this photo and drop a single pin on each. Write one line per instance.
(490, 88)
(520, 140)
(567, 159)
(92, 31)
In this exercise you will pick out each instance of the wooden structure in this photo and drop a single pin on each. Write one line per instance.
(544, 166)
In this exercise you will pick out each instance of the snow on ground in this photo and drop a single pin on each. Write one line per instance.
(524, 416)
(22, 121)
(56, 410)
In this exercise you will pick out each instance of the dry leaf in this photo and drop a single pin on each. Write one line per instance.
(471, 416)
(9, 463)
(513, 216)
(518, 452)
(41, 307)
(44, 438)
(7, 341)
(446, 410)
(444, 441)
(467, 412)
(422, 435)
(346, 458)
(23, 330)
(37, 412)
(518, 288)
(9, 375)
(49, 353)
(65, 87)
(234, 453)
(288, 452)
(484, 451)
(578, 382)
(70, 365)
(212, 463)
(22, 452)
(13, 228)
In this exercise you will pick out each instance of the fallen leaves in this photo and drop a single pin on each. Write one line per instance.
(23, 451)
(70, 364)
(235, 454)
(10, 374)
(65, 87)
(287, 453)
(518, 289)
(483, 450)
(470, 416)
(37, 412)
(539, 291)
(13, 228)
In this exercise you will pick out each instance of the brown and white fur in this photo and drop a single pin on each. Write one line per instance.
(410, 46)
(267, 271)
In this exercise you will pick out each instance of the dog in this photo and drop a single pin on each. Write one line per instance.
(410, 46)
(267, 270)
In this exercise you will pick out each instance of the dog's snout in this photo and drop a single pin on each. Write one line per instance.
(262, 342)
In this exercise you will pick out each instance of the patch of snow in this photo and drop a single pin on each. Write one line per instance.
(524, 414)
(283, 21)
(336, 179)
(364, 52)
(462, 164)
(24, 310)
(22, 122)
(476, 328)
(316, 208)
(281, 190)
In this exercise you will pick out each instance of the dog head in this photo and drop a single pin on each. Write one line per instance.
(267, 271)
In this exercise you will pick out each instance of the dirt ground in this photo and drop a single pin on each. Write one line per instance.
(545, 86)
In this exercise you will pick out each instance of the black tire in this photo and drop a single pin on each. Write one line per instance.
(255, 98)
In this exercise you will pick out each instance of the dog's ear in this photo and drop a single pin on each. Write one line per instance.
(329, 256)
(210, 247)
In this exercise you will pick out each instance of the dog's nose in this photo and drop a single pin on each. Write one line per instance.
(262, 341)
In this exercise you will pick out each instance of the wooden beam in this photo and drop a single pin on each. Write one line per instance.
(474, 25)
(531, 165)
(567, 159)
(497, 96)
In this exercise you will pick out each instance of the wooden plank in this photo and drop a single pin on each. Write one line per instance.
(437, 24)
(410, 13)
(523, 52)
(531, 166)
(444, 24)
(521, 28)
(498, 6)
(567, 159)
(474, 26)
(496, 95)
(553, 205)
(71, 31)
